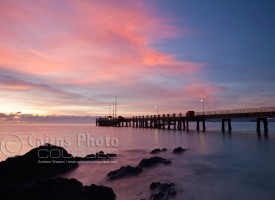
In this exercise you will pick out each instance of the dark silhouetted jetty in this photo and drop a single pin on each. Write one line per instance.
(181, 122)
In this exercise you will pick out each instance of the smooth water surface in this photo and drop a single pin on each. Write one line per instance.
(216, 166)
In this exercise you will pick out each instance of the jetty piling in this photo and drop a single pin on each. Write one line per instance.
(181, 122)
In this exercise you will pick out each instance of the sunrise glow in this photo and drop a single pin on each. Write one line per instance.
(74, 57)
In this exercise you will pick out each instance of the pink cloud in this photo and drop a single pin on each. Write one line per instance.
(94, 44)
(92, 34)
(202, 90)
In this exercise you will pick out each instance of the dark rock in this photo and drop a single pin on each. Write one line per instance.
(123, 172)
(153, 161)
(159, 196)
(100, 154)
(77, 158)
(111, 155)
(97, 156)
(158, 150)
(95, 192)
(90, 157)
(40, 162)
(179, 150)
(155, 151)
(56, 189)
(155, 185)
(165, 190)
(172, 193)
(59, 188)
(166, 186)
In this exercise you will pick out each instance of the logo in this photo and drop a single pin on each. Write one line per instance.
(11, 145)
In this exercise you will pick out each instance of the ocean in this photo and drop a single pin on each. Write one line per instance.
(237, 165)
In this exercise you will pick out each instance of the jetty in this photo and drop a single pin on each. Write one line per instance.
(181, 121)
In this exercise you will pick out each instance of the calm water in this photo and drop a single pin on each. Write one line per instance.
(217, 166)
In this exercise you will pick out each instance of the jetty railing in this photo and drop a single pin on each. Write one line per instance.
(181, 121)
(247, 111)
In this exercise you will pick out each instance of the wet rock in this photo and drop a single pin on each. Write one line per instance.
(172, 193)
(123, 172)
(97, 156)
(23, 177)
(152, 161)
(55, 189)
(178, 150)
(59, 188)
(111, 155)
(155, 151)
(155, 185)
(165, 187)
(95, 192)
(40, 162)
(158, 150)
(159, 196)
(165, 190)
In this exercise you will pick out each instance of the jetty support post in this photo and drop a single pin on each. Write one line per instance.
(168, 121)
(139, 122)
(133, 122)
(187, 124)
(163, 121)
(174, 119)
(143, 122)
(203, 125)
(180, 122)
(223, 125)
(155, 124)
(258, 125)
(151, 121)
(265, 123)
(118, 123)
(228, 121)
(229, 125)
(146, 121)
(265, 126)
(198, 124)
(183, 123)
(159, 125)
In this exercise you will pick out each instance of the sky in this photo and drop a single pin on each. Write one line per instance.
(73, 57)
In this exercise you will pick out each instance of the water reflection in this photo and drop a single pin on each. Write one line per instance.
(215, 165)
(156, 137)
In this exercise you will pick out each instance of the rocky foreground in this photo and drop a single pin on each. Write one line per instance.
(126, 171)
(27, 177)
(57, 189)
(40, 162)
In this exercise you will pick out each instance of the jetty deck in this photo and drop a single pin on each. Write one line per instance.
(181, 122)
